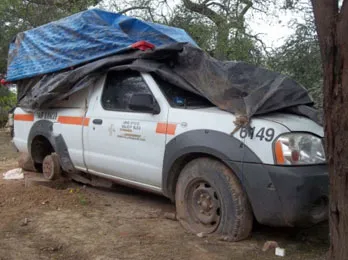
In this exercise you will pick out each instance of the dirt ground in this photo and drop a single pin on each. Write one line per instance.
(73, 221)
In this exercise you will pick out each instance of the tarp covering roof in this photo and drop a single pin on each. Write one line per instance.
(82, 38)
(236, 87)
(56, 60)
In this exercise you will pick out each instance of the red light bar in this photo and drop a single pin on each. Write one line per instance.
(4, 82)
(143, 45)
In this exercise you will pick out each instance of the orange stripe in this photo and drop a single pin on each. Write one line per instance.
(161, 128)
(73, 120)
(86, 121)
(164, 128)
(279, 153)
(24, 117)
(171, 129)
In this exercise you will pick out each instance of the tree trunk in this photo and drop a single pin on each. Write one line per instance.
(332, 27)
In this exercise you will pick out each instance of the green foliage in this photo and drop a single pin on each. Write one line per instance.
(237, 46)
(244, 48)
(7, 101)
(82, 200)
(300, 58)
(200, 29)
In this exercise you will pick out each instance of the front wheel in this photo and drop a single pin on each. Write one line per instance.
(209, 199)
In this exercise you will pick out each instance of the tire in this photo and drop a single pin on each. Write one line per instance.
(51, 168)
(209, 199)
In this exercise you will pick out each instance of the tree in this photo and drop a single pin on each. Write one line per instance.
(229, 20)
(300, 56)
(7, 101)
(331, 20)
(203, 31)
(219, 27)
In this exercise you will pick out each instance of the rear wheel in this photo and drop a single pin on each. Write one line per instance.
(209, 199)
(51, 168)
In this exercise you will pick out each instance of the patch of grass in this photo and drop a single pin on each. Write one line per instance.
(82, 199)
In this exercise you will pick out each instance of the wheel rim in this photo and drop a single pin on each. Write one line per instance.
(47, 169)
(203, 206)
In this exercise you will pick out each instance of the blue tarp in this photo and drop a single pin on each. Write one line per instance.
(81, 38)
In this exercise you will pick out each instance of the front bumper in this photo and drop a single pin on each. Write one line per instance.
(287, 195)
(303, 193)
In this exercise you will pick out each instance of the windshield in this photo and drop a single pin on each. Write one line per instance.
(180, 98)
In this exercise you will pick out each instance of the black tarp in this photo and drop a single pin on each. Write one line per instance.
(236, 87)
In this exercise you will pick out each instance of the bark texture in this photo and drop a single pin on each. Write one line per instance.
(332, 27)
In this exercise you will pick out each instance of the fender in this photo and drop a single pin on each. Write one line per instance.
(45, 129)
(249, 169)
(217, 144)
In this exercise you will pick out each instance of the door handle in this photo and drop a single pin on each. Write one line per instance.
(97, 121)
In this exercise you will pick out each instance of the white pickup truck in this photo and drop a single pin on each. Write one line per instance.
(138, 130)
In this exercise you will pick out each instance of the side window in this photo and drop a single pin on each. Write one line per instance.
(180, 98)
(119, 87)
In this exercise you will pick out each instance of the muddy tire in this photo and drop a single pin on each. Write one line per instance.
(51, 168)
(209, 199)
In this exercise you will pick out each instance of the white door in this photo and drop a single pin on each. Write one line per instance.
(120, 141)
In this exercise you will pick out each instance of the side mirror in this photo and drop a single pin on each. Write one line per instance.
(144, 103)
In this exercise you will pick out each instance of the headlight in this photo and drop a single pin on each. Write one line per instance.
(299, 148)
